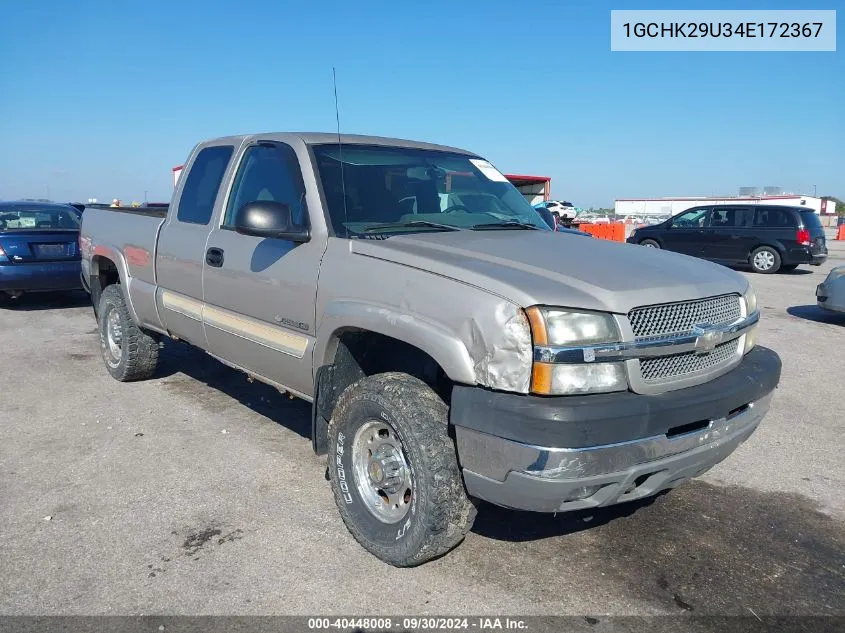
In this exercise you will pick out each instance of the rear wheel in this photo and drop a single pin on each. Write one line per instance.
(128, 351)
(765, 260)
(650, 244)
(394, 470)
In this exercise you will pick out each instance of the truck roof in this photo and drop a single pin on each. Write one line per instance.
(320, 138)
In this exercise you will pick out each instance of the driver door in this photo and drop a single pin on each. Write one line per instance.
(687, 232)
(260, 293)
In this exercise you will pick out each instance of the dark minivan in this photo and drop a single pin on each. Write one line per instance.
(768, 237)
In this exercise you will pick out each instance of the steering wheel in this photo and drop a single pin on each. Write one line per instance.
(457, 208)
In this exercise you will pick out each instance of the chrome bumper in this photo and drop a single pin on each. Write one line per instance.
(544, 479)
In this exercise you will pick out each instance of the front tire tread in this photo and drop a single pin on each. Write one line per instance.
(450, 512)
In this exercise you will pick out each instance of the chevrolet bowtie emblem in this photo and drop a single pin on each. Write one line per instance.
(707, 337)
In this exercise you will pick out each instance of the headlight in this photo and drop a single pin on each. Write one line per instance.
(556, 327)
(750, 300)
(574, 379)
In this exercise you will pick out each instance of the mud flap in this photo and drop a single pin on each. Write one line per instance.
(319, 423)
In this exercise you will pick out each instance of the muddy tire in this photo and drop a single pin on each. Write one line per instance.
(765, 260)
(128, 351)
(394, 470)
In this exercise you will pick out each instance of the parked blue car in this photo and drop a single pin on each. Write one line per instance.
(39, 247)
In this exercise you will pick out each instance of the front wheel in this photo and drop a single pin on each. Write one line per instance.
(765, 260)
(650, 244)
(128, 351)
(394, 470)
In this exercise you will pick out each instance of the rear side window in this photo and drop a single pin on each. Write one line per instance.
(200, 191)
(810, 219)
(774, 218)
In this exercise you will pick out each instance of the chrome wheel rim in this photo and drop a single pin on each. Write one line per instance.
(382, 475)
(764, 260)
(114, 334)
(650, 245)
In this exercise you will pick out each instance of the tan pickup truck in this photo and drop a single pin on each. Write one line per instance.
(454, 348)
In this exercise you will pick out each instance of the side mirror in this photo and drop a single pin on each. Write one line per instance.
(264, 218)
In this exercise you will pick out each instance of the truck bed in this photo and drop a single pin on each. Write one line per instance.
(123, 234)
(155, 210)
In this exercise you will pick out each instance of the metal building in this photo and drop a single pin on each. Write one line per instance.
(665, 207)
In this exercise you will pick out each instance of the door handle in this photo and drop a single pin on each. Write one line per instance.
(214, 257)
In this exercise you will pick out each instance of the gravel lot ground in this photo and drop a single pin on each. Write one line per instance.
(197, 493)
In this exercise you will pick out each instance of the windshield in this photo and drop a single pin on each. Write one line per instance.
(403, 190)
(40, 218)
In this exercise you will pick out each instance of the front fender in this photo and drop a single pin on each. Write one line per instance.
(443, 346)
(486, 343)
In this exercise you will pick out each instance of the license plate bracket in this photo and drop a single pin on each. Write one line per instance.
(50, 251)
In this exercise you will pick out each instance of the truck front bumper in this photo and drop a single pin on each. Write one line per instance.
(570, 453)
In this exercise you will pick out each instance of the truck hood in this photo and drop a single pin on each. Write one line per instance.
(544, 268)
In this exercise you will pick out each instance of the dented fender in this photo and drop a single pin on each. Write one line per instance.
(432, 338)
(476, 337)
(487, 347)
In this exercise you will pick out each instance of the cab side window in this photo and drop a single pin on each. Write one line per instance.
(204, 177)
(271, 173)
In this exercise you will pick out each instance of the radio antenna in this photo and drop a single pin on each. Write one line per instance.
(340, 152)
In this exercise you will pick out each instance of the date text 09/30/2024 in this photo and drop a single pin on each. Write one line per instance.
(485, 623)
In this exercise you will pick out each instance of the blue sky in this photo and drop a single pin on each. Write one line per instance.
(102, 98)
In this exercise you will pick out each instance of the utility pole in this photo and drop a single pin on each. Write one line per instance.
(145, 197)
(814, 191)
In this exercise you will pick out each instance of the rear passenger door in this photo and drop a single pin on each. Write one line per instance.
(260, 293)
(181, 247)
(730, 235)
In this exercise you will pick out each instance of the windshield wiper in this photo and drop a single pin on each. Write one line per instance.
(507, 224)
(411, 224)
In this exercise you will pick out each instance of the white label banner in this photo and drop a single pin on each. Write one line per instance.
(740, 31)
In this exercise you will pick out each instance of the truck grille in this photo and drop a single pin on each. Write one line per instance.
(658, 321)
(655, 370)
(679, 318)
